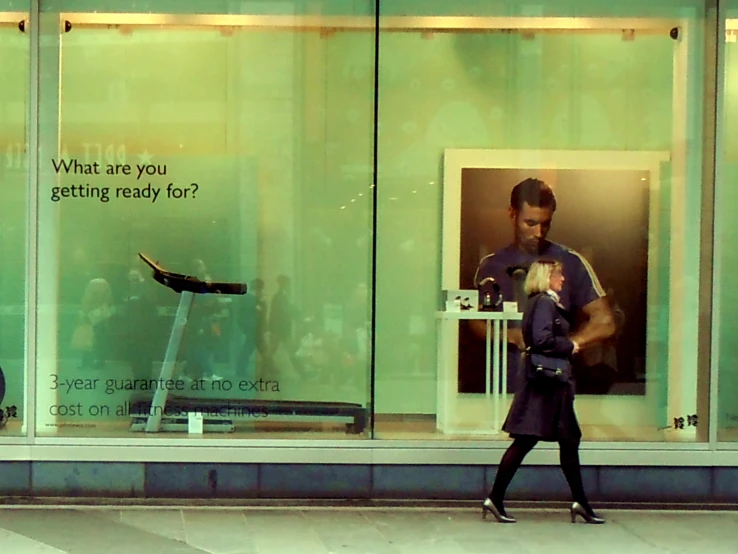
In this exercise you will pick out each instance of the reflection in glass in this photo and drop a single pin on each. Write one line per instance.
(222, 153)
(14, 72)
(725, 249)
(540, 91)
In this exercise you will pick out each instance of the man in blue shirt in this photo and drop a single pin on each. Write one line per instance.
(532, 206)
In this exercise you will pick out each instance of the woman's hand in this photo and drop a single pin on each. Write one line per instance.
(576, 347)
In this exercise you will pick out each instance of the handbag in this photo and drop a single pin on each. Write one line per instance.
(83, 337)
(546, 370)
(541, 369)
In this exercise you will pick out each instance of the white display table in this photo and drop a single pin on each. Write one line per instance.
(472, 414)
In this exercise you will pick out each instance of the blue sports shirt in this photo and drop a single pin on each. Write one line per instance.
(581, 285)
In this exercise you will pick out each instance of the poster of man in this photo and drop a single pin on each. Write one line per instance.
(593, 221)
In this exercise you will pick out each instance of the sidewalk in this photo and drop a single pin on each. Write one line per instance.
(137, 530)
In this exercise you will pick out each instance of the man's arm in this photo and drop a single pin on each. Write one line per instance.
(600, 324)
(514, 336)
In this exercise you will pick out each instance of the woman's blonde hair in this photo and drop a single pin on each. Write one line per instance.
(539, 276)
(97, 294)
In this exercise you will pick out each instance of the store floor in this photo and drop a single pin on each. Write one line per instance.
(262, 530)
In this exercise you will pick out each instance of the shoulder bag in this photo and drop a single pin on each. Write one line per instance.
(542, 369)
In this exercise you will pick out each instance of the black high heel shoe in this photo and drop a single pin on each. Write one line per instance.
(500, 515)
(588, 516)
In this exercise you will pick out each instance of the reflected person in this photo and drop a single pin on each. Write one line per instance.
(252, 321)
(282, 317)
(139, 314)
(543, 408)
(202, 333)
(94, 324)
(531, 211)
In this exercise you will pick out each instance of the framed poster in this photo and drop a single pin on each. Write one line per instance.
(607, 210)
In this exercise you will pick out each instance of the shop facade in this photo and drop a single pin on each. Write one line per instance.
(349, 164)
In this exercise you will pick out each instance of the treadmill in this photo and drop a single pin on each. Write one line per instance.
(167, 411)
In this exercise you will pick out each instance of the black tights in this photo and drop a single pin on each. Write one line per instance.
(513, 458)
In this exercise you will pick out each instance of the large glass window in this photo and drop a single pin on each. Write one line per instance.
(602, 102)
(14, 72)
(247, 147)
(231, 148)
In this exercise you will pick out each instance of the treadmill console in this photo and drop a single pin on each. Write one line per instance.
(179, 282)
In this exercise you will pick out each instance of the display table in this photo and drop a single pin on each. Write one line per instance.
(470, 414)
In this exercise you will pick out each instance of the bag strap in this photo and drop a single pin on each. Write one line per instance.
(527, 325)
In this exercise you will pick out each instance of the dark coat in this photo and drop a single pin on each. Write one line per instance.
(545, 413)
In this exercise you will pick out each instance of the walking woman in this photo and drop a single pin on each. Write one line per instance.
(543, 407)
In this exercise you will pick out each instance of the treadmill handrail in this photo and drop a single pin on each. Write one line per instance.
(179, 282)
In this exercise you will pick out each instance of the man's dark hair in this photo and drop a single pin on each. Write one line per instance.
(533, 191)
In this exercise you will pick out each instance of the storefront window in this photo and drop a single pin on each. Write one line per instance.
(599, 102)
(215, 179)
(230, 147)
(14, 64)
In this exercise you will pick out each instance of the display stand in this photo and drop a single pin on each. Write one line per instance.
(450, 402)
